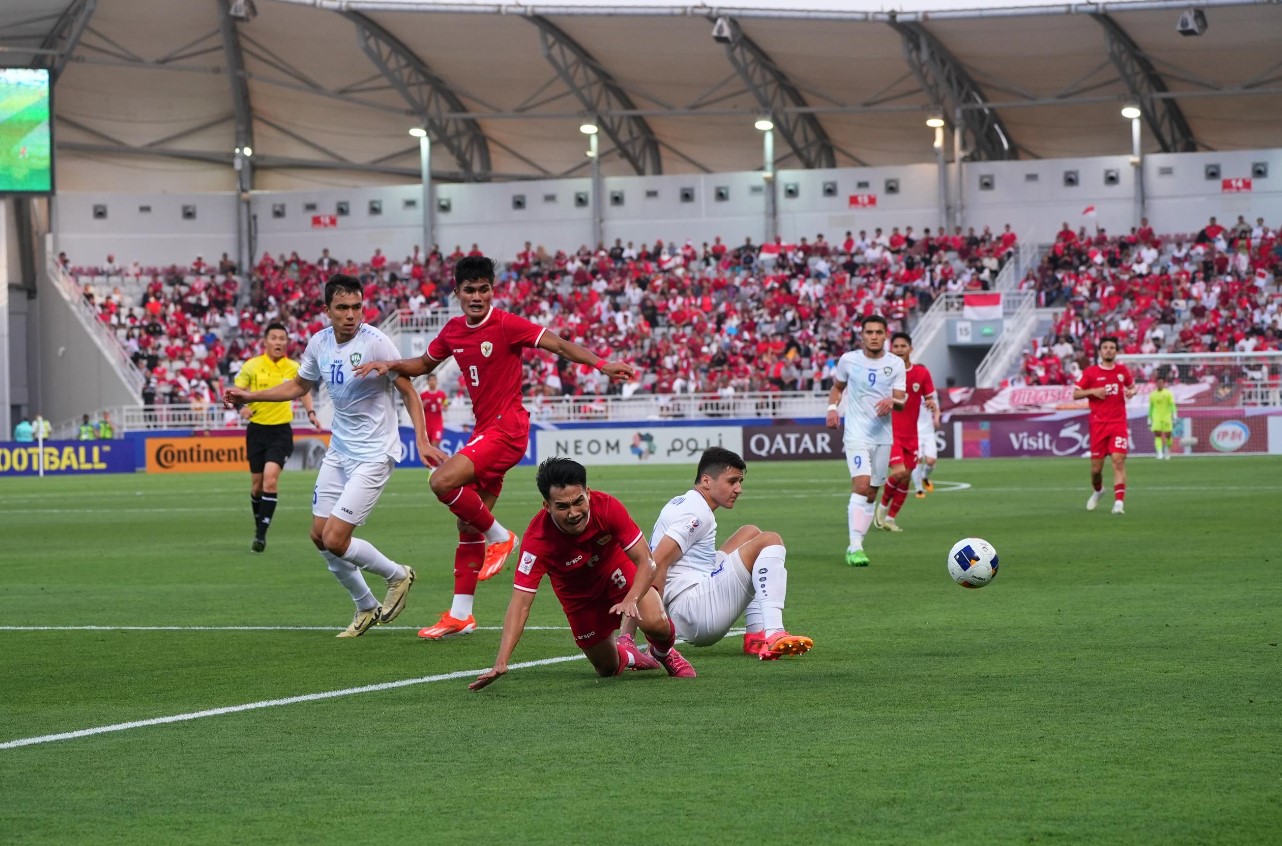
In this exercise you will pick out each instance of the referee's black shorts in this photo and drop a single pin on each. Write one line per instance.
(274, 443)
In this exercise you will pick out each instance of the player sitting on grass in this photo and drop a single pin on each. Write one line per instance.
(600, 568)
(705, 589)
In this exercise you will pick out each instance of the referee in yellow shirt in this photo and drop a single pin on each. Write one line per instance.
(269, 440)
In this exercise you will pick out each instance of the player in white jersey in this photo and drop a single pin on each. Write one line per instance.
(705, 589)
(363, 448)
(927, 449)
(874, 384)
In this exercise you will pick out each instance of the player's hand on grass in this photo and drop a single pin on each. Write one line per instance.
(368, 367)
(487, 678)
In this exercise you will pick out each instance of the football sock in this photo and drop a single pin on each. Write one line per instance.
(897, 500)
(753, 616)
(659, 647)
(1157, 444)
(770, 581)
(363, 554)
(350, 577)
(466, 504)
(255, 501)
(887, 493)
(266, 510)
(859, 516)
(1119, 492)
(927, 470)
(469, 555)
(919, 476)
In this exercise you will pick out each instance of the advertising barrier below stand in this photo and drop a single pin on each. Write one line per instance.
(64, 458)
(639, 444)
(221, 453)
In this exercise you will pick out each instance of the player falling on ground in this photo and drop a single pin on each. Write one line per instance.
(1161, 417)
(363, 449)
(904, 424)
(928, 422)
(874, 385)
(1108, 385)
(269, 437)
(486, 342)
(434, 404)
(705, 589)
(601, 571)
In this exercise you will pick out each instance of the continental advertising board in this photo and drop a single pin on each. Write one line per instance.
(221, 453)
(65, 458)
(637, 444)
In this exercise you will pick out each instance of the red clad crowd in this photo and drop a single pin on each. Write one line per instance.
(1216, 290)
(707, 318)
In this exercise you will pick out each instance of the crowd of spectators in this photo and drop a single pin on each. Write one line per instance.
(1216, 290)
(707, 318)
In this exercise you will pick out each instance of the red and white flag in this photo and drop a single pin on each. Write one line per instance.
(1089, 211)
(982, 306)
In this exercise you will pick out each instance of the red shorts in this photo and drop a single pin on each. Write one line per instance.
(1109, 438)
(435, 432)
(905, 454)
(589, 612)
(494, 452)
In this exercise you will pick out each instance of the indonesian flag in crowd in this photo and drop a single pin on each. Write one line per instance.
(982, 306)
(1089, 211)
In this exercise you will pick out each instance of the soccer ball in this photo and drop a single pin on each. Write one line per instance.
(972, 562)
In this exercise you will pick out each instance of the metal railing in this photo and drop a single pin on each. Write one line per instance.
(102, 335)
(1019, 310)
(548, 410)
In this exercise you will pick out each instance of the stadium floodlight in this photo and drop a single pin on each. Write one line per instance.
(418, 132)
(247, 151)
(588, 129)
(764, 124)
(1131, 111)
(242, 10)
(935, 121)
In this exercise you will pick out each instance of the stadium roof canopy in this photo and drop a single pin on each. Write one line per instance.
(324, 91)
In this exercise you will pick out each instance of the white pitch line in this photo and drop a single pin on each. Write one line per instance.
(272, 703)
(247, 628)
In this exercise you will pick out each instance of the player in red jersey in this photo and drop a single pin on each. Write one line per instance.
(434, 404)
(903, 421)
(486, 342)
(1108, 385)
(600, 567)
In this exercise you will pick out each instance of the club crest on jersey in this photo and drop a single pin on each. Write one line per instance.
(604, 539)
(886, 370)
(916, 387)
(486, 348)
(355, 359)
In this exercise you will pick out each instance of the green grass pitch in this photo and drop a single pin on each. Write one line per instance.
(1119, 683)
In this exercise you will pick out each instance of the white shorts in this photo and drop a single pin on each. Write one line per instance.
(347, 488)
(704, 613)
(869, 460)
(926, 446)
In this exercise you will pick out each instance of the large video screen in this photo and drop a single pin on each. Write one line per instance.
(26, 136)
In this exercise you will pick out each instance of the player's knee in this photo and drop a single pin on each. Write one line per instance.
(335, 540)
(766, 539)
(441, 488)
(317, 540)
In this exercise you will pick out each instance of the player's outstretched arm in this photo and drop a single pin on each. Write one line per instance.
(518, 612)
(618, 371)
(284, 392)
(834, 397)
(411, 367)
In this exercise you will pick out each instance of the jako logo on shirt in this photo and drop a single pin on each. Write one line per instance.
(1230, 436)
